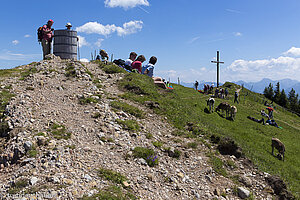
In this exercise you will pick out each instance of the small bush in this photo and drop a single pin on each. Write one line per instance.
(96, 115)
(230, 164)
(147, 154)
(157, 144)
(18, 186)
(110, 175)
(70, 71)
(127, 108)
(149, 136)
(87, 100)
(192, 145)
(59, 132)
(112, 193)
(32, 153)
(130, 125)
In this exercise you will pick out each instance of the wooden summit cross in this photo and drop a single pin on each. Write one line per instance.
(218, 67)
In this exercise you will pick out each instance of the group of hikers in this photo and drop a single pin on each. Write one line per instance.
(45, 36)
(270, 119)
(135, 64)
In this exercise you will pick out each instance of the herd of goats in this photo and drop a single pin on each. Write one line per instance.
(224, 106)
(232, 110)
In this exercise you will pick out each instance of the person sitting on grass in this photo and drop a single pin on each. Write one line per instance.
(128, 62)
(272, 123)
(137, 64)
(148, 69)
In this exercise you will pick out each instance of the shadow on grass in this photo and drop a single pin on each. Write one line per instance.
(206, 111)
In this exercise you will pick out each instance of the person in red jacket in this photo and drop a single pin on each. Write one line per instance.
(47, 37)
(137, 64)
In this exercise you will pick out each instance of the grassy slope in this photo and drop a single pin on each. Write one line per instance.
(184, 105)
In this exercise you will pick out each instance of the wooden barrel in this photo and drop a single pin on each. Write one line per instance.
(65, 44)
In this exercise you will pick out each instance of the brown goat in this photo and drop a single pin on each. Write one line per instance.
(224, 106)
(279, 146)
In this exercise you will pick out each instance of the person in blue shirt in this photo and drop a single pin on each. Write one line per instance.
(148, 69)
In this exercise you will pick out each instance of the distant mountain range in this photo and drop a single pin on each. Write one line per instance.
(286, 84)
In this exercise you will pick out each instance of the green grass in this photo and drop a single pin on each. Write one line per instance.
(32, 153)
(112, 176)
(183, 105)
(149, 136)
(157, 144)
(127, 108)
(70, 71)
(5, 97)
(18, 186)
(59, 132)
(130, 125)
(112, 193)
(217, 164)
(27, 72)
(192, 145)
(148, 154)
(112, 69)
(87, 100)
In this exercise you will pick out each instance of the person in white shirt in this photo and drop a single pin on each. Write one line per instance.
(131, 58)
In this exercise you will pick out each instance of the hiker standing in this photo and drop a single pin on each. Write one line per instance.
(47, 37)
(196, 85)
(69, 26)
(226, 92)
(270, 112)
(236, 95)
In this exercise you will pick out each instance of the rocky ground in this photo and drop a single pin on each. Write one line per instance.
(38, 163)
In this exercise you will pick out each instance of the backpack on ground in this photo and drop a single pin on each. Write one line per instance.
(40, 34)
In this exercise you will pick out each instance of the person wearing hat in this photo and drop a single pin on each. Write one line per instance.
(69, 26)
(47, 37)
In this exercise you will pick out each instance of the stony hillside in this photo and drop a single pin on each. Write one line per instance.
(66, 133)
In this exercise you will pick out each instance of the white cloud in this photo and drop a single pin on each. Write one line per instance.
(254, 70)
(15, 42)
(125, 3)
(97, 28)
(238, 34)
(82, 41)
(9, 56)
(234, 11)
(84, 60)
(27, 36)
(294, 51)
(194, 39)
(130, 28)
(99, 42)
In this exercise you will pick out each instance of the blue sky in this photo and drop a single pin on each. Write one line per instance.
(256, 39)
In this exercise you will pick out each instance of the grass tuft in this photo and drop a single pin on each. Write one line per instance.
(127, 108)
(148, 154)
(130, 125)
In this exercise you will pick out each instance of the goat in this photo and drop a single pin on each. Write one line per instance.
(279, 146)
(224, 106)
(211, 103)
(233, 111)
